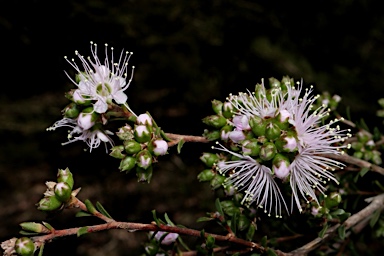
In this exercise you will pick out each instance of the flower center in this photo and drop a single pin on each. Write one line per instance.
(103, 89)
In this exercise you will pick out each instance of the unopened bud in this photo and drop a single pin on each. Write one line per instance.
(71, 111)
(117, 152)
(160, 147)
(280, 166)
(251, 147)
(87, 118)
(34, 227)
(50, 203)
(227, 109)
(206, 175)
(217, 106)
(63, 191)
(258, 125)
(267, 151)
(217, 181)
(24, 246)
(209, 159)
(144, 174)
(144, 119)
(132, 146)
(142, 134)
(216, 121)
(65, 175)
(272, 131)
(125, 133)
(127, 163)
(144, 159)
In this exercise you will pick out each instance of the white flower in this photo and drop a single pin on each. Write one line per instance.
(93, 137)
(101, 82)
(309, 169)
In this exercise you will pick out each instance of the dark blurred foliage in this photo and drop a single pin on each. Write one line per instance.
(186, 53)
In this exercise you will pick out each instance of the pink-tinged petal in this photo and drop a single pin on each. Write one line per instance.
(100, 107)
(120, 97)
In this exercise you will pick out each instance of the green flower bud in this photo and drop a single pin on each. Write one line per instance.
(229, 207)
(251, 147)
(24, 246)
(363, 136)
(280, 166)
(258, 125)
(376, 157)
(282, 119)
(65, 176)
(332, 200)
(209, 159)
(127, 163)
(206, 175)
(34, 227)
(267, 151)
(243, 222)
(144, 174)
(132, 146)
(272, 131)
(211, 135)
(142, 133)
(216, 121)
(71, 111)
(367, 155)
(273, 82)
(50, 203)
(259, 91)
(217, 106)
(63, 191)
(144, 159)
(217, 181)
(125, 133)
(152, 248)
(227, 109)
(358, 155)
(117, 152)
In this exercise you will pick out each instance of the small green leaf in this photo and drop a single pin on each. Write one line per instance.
(82, 231)
(202, 219)
(168, 220)
(363, 171)
(338, 212)
(90, 207)
(322, 232)
(374, 218)
(341, 232)
(27, 233)
(218, 207)
(180, 145)
(47, 225)
(264, 241)
(101, 209)
(251, 231)
(83, 214)
(158, 222)
(234, 222)
(41, 250)
(162, 133)
(271, 252)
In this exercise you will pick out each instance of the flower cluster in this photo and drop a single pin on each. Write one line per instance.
(275, 134)
(99, 84)
(142, 144)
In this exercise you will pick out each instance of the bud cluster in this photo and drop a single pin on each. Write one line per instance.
(142, 144)
(58, 193)
(365, 147)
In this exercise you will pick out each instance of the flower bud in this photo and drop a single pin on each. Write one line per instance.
(132, 146)
(144, 159)
(159, 147)
(117, 152)
(229, 207)
(286, 143)
(142, 133)
(333, 200)
(283, 119)
(216, 121)
(50, 203)
(63, 191)
(144, 174)
(376, 157)
(217, 106)
(259, 91)
(65, 176)
(272, 131)
(125, 133)
(209, 159)
(24, 246)
(211, 135)
(127, 163)
(165, 237)
(258, 125)
(217, 181)
(237, 136)
(224, 132)
(250, 147)
(76, 97)
(280, 166)
(267, 151)
(144, 119)
(227, 109)
(152, 249)
(206, 175)
(87, 118)
(71, 111)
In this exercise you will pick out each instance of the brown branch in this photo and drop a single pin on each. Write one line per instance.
(130, 226)
(176, 138)
(376, 203)
(352, 160)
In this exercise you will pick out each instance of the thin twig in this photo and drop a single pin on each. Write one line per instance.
(176, 138)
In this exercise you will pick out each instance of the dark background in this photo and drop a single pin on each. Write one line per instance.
(186, 53)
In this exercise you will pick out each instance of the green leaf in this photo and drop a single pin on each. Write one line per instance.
(162, 133)
(47, 225)
(375, 218)
(234, 222)
(363, 171)
(158, 222)
(83, 214)
(168, 220)
(82, 231)
(251, 231)
(90, 207)
(338, 212)
(271, 252)
(41, 250)
(348, 113)
(264, 241)
(218, 207)
(27, 233)
(102, 210)
(201, 219)
(182, 243)
(341, 232)
(180, 145)
(322, 232)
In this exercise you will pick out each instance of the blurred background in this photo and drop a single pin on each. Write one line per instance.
(186, 53)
